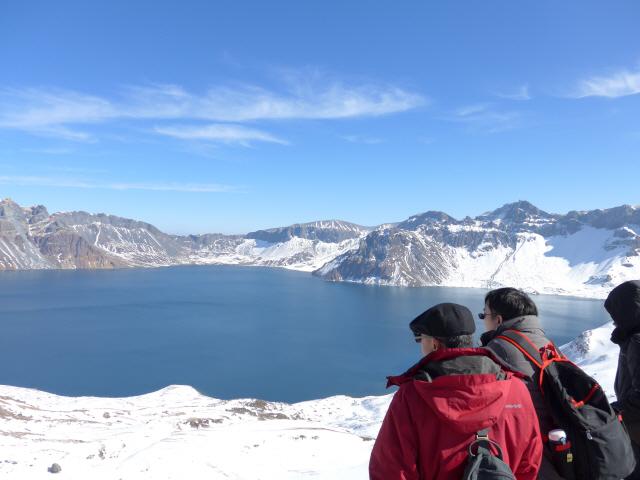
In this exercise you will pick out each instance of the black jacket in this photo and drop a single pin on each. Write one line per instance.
(623, 304)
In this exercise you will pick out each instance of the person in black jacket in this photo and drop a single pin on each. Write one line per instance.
(623, 304)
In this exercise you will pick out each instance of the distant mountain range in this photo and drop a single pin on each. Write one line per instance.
(580, 253)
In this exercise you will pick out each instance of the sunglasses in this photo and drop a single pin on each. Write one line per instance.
(482, 315)
(419, 336)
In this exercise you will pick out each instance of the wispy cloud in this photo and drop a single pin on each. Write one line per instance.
(218, 132)
(73, 169)
(58, 182)
(619, 84)
(521, 94)
(481, 118)
(68, 114)
(361, 139)
(472, 109)
(51, 151)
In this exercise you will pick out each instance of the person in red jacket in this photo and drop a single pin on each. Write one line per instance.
(446, 398)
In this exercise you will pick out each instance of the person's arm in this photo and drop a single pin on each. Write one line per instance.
(531, 456)
(395, 453)
(629, 405)
(528, 434)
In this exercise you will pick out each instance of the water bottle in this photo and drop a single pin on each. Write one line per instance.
(562, 454)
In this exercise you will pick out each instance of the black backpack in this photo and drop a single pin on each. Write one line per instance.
(484, 465)
(598, 439)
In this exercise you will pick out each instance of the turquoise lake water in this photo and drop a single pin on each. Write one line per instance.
(230, 332)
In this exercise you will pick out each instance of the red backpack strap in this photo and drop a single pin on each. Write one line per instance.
(523, 344)
(560, 354)
(551, 354)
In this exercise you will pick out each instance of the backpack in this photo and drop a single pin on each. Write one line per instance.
(598, 439)
(484, 465)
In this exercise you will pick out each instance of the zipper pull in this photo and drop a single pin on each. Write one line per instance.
(589, 435)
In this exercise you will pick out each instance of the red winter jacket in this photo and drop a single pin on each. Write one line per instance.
(430, 424)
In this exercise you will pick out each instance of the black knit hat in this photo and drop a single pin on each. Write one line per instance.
(444, 320)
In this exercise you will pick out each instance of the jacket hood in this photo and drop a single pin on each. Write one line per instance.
(527, 324)
(623, 304)
(466, 402)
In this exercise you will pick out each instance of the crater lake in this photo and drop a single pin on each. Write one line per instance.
(228, 331)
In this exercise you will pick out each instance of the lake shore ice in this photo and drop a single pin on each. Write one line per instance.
(177, 432)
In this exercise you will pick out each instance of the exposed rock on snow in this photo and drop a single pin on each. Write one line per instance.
(179, 433)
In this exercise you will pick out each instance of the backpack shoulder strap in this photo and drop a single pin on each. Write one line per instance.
(484, 445)
(523, 344)
(482, 437)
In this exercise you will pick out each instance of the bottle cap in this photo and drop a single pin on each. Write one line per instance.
(557, 435)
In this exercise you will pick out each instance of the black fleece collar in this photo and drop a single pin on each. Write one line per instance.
(619, 336)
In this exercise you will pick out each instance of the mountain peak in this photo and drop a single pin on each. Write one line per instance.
(415, 221)
(517, 212)
(10, 209)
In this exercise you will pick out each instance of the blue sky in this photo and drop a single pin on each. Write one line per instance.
(208, 116)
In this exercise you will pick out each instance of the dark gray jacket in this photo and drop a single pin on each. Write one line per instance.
(509, 353)
(623, 304)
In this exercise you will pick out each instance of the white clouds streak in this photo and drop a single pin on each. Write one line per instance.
(521, 94)
(57, 182)
(218, 132)
(482, 119)
(51, 151)
(68, 114)
(361, 139)
(250, 103)
(470, 110)
(619, 84)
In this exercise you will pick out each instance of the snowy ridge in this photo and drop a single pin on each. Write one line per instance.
(179, 433)
(594, 352)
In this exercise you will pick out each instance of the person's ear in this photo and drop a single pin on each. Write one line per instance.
(437, 344)
(499, 320)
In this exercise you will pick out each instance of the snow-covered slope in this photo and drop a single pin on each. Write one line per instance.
(179, 433)
(305, 246)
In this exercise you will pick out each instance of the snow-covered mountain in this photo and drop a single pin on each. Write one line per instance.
(30, 238)
(579, 253)
(180, 433)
